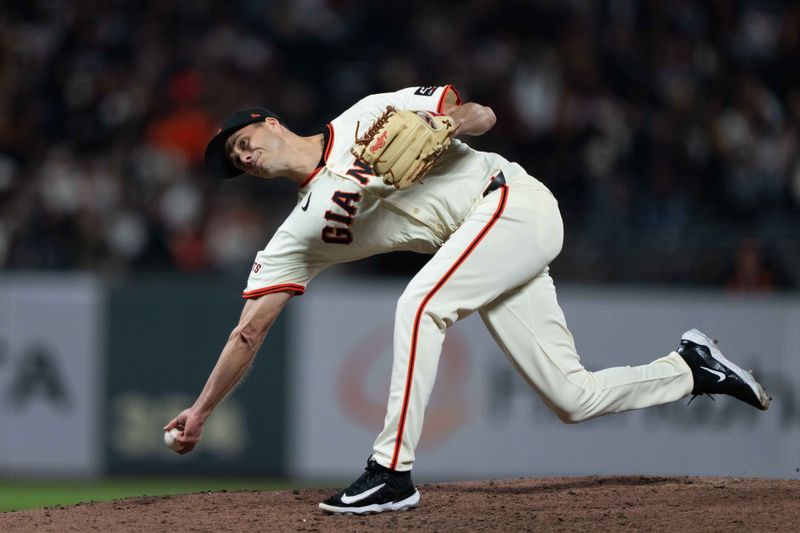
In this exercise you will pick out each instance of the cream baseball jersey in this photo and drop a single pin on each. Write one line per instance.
(345, 213)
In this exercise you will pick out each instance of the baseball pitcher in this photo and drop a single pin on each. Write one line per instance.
(391, 173)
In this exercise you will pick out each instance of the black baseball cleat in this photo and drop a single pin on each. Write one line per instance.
(713, 374)
(378, 489)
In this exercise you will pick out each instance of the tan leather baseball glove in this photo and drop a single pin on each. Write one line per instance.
(401, 146)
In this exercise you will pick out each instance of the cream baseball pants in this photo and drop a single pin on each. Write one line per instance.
(496, 263)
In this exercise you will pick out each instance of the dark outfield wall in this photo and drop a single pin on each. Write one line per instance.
(164, 337)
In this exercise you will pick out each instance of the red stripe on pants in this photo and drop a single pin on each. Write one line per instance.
(415, 332)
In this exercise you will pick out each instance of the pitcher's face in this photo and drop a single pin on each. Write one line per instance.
(256, 148)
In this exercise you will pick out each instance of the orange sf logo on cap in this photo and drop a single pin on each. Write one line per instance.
(254, 115)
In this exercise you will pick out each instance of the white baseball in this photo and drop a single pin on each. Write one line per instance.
(170, 439)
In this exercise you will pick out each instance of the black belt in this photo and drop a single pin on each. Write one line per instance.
(497, 182)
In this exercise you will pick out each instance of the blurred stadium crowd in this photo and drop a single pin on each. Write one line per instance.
(668, 129)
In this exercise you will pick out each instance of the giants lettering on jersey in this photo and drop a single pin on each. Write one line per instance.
(361, 172)
(334, 234)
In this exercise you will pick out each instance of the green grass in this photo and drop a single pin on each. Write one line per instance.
(24, 494)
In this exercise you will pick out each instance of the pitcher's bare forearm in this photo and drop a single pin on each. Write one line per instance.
(471, 118)
(240, 350)
(234, 361)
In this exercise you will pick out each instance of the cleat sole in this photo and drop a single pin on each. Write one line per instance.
(403, 505)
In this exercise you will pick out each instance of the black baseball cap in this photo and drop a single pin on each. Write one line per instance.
(216, 160)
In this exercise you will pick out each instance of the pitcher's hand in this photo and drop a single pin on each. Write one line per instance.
(191, 427)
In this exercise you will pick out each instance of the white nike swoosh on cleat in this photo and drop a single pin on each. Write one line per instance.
(698, 337)
(358, 497)
(717, 373)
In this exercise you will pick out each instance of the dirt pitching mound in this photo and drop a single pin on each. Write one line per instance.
(558, 504)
